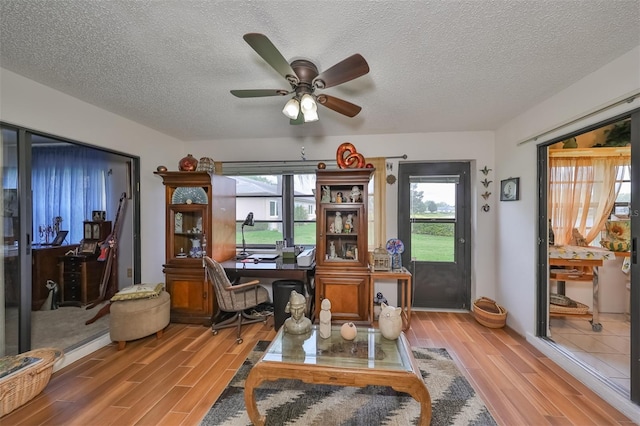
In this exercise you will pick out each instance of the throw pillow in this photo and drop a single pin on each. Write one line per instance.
(138, 291)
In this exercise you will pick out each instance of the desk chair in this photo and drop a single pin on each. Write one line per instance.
(234, 299)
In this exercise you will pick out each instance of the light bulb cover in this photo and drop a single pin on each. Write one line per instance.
(311, 115)
(307, 103)
(291, 109)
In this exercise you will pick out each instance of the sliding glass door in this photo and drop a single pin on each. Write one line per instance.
(54, 191)
(10, 290)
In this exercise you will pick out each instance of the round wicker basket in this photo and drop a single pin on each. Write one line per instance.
(25, 384)
(488, 313)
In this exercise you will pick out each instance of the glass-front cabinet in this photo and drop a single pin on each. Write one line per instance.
(200, 221)
(342, 258)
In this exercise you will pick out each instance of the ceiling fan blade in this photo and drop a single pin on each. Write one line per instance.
(263, 47)
(351, 68)
(258, 93)
(339, 105)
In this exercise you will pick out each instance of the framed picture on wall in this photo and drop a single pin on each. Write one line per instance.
(510, 189)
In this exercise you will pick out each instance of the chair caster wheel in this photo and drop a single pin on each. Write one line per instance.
(238, 341)
(215, 332)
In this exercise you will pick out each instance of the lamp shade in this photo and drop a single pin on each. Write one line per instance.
(292, 109)
(309, 108)
(249, 220)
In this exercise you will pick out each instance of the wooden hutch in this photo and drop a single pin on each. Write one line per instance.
(200, 220)
(342, 273)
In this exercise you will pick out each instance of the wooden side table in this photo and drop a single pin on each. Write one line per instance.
(403, 278)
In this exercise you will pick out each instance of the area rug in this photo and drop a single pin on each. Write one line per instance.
(62, 328)
(292, 402)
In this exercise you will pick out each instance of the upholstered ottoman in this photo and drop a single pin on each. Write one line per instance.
(137, 318)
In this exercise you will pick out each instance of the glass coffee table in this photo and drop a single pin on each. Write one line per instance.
(370, 359)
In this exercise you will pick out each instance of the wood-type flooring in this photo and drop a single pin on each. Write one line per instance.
(174, 380)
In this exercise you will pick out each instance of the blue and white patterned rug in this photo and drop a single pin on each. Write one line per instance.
(291, 402)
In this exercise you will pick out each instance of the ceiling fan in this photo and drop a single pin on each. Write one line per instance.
(304, 78)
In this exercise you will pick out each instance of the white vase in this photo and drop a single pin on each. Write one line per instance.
(390, 322)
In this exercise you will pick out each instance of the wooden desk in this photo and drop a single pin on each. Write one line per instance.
(290, 271)
(403, 278)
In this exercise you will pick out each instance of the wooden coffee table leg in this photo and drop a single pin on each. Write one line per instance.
(253, 380)
(418, 391)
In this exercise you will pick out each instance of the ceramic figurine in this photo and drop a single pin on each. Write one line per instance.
(332, 250)
(348, 331)
(297, 323)
(325, 319)
(390, 322)
(337, 223)
(355, 194)
(348, 224)
(326, 195)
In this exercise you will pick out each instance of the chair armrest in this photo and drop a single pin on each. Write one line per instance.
(244, 286)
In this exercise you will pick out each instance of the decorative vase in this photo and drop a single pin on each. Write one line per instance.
(348, 331)
(390, 322)
(188, 164)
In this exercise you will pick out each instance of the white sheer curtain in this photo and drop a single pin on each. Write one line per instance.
(69, 182)
(582, 192)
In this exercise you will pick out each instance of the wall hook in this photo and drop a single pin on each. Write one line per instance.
(486, 182)
(486, 195)
(486, 208)
(485, 171)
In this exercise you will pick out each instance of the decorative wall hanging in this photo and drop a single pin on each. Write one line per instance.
(485, 183)
(510, 189)
(485, 171)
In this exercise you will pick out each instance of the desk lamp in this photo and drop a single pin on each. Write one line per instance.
(247, 222)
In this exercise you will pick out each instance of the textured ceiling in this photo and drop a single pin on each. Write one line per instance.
(435, 65)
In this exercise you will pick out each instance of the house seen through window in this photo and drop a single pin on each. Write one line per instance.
(283, 208)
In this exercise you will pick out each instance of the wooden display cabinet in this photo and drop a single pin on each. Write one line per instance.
(200, 220)
(342, 243)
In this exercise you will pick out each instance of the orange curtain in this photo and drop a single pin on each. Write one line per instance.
(582, 192)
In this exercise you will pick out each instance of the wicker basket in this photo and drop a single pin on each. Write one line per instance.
(488, 313)
(22, 386)
(579, 309)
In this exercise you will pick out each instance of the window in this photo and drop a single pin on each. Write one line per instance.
(273, 208)
(284, 203)
(283, 207)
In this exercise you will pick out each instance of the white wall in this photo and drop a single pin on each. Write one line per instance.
(477, 147)
(24, 102)
(516, 235)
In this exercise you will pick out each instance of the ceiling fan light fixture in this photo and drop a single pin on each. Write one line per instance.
(309, 108)
(292, 109)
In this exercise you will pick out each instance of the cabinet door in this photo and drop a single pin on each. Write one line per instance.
(191, 296)
(185, 231)
(349, 295)
(342, 236)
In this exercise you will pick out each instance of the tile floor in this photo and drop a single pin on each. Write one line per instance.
(607, 351)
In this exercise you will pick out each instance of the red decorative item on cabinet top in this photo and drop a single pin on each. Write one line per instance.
(188, 164)
(348, 157)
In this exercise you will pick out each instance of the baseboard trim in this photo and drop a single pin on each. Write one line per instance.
(82, 351)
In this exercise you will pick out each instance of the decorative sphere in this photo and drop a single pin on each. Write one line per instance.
(369, 166)
(161, 168)
(322, 166)
(348, 331)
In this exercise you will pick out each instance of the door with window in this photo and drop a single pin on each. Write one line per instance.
(434, 225)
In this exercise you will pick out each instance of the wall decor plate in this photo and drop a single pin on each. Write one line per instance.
(189, 195)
